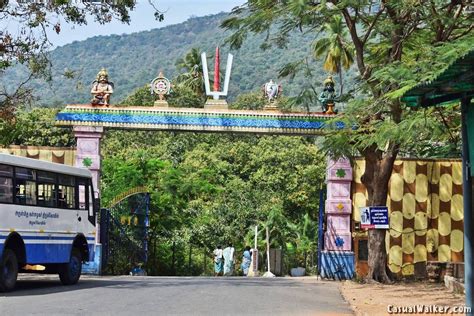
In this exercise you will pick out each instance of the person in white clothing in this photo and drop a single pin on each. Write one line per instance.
(228, 254)
(218, 261)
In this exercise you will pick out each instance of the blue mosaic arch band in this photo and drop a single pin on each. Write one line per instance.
(197, 120)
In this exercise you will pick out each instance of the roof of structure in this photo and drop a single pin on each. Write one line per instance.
(454, 83)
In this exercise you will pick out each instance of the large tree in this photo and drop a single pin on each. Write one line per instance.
(397, 43)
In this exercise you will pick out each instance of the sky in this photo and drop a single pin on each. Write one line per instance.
(176, 11)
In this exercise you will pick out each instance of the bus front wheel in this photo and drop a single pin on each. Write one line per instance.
(8, 271)
(69, 273)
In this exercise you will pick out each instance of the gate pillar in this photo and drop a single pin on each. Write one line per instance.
(337, 257)
(88, 151)
(88, 155)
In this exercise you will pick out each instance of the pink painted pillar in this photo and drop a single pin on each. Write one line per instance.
(88, 155)
(88, 151)
(338, 206)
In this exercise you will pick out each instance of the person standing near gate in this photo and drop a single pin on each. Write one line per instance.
(218, 261)
(246, 260)
(228, 254)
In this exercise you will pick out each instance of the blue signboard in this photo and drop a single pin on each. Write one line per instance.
(374, 217)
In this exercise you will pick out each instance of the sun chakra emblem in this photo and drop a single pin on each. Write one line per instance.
(161, 86)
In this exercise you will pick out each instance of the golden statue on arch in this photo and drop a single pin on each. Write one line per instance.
(102, 89)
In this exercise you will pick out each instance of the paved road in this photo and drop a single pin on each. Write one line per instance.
(39, 295)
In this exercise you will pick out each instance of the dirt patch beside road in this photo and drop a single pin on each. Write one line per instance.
(374, 299)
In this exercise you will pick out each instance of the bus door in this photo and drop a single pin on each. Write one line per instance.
(93, 206)
(84, 204)
(92, 216)
(86, 214)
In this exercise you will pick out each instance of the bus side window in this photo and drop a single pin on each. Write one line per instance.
(6, 184)
(6, 190)
(46, 188)
(66, 191)
(83, 202)
(25, 186)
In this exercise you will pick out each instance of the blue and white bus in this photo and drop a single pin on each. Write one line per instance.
(47, 219)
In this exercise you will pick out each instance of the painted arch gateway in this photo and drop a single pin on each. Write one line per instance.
(89, 121)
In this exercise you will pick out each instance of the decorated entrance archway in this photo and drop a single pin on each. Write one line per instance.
(89, 120)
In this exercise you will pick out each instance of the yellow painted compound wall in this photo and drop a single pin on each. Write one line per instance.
(63, 155)
(426, 212)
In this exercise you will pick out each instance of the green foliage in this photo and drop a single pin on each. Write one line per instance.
(218, 187)
(184, 96)
(256, 101)
(171, 191)
(35, 127)
(424, 133)
(387, 67)
(141, 97)
(249, 101)
(338, 53)
(192, 77)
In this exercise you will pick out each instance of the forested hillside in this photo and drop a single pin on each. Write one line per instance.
(135, 59)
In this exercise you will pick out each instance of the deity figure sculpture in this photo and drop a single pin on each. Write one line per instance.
(328, 96)
(272, 91)
(102, 88)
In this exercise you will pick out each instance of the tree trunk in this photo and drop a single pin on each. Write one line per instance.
(378, 170)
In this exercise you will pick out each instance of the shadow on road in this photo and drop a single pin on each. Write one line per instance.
(44, 285)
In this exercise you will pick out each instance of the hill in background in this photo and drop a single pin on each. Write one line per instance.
(133, 60)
